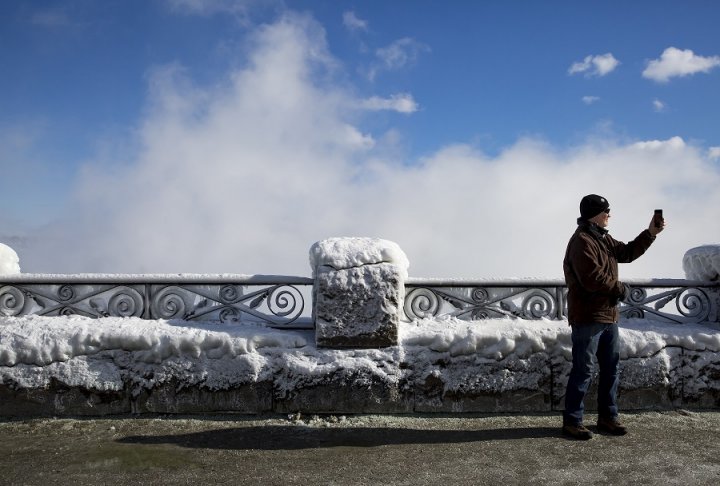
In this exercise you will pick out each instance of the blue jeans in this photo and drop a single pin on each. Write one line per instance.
(601, 340)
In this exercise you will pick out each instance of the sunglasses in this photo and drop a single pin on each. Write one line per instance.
(607, 211)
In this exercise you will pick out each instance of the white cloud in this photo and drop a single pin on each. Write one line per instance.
(398, 55)
(714, 153)
(245, 176)
(672, 144)
(659, 106)
(402, 103)
(589, 100)
(599, 65)
(677, 63)
(352, 22)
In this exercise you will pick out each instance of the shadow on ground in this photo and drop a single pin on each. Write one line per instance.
(295, 437)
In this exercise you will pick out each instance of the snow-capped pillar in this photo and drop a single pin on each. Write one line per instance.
(358, 292)
(9, 261)
(703, 263)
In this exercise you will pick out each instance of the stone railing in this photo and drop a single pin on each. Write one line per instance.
(357, 296)
(667, 300)
(276, 301)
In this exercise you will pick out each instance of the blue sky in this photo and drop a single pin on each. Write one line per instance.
(84, 97)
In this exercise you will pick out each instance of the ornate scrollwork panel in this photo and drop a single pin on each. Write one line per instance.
(67, 299)
(472, 303)
(277, 305)
(283, 305)
(690, 304)
(12, 301)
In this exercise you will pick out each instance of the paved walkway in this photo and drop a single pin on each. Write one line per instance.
(661, 448)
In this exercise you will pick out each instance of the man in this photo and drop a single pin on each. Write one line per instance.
(594, 292)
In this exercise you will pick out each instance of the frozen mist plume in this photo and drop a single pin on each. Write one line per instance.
(243, 176)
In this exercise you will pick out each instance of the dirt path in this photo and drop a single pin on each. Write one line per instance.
(662, 448)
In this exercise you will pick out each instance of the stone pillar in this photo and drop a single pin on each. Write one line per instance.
(703, 264)
(358, 292)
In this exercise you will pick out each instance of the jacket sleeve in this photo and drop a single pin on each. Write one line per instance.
(584, 256)
(628, 252)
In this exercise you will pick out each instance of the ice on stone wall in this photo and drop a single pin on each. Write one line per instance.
(702, 263)
(359, 306)
(93, 353)
(349, 252)
(9, 261)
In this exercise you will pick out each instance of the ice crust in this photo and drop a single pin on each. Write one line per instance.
(102, 354)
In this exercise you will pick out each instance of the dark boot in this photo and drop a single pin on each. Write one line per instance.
(611, 426)
(578, 431)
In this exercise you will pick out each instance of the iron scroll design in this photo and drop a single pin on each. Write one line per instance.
(687, 304)
(680, 302)
(281, 304)
(474, 303)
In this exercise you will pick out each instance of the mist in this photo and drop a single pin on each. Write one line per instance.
(244, 175)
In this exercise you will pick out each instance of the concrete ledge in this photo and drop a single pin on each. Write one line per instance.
(660, 374)
(173, 397)
(522, 390)
(461, 385)
(101, 367)
(346, 392)
(60, 400)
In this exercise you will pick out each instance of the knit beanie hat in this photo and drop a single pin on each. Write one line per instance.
(592, 205)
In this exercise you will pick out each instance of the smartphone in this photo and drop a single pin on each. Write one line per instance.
(658, 218)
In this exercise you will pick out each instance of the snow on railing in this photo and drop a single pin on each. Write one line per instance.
(277, 301)
(669, 300)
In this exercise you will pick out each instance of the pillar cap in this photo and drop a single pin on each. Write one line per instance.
(347, 252)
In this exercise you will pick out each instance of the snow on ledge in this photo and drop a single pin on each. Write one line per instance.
(500, 338)
(349, 252)
(103, 354)
(40, 341)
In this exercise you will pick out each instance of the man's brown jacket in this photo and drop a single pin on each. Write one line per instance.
(591, 272)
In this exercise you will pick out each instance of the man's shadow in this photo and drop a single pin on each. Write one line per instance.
(291, 437)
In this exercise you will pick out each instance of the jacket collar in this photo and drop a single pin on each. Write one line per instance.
(592, 228)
